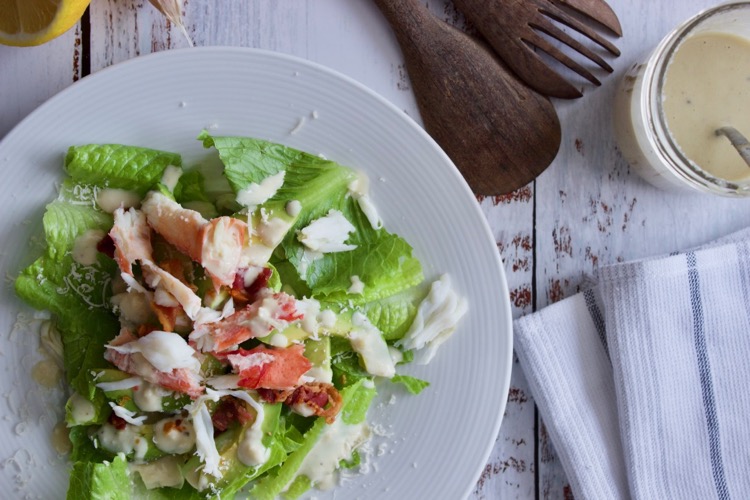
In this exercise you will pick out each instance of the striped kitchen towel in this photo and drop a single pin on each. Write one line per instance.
(643, 381)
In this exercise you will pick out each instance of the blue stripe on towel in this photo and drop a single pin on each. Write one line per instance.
(707, 388)
(743, 255)
(596, 317)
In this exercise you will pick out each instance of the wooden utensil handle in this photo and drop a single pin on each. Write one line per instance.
(406, 17)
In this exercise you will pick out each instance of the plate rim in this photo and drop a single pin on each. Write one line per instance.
(91, 79)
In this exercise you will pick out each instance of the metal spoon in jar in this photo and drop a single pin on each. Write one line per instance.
(739, 141)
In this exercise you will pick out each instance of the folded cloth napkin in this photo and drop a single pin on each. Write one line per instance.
(643, 381)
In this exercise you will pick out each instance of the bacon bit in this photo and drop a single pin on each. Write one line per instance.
(260, 282)
(106, 246)
(175, 424)
(274, 395)
(246, 294)
(320, 398)
(167, 316)
(231, 410)
(282, 371)
(145, 330)
(176, 268)
(117, 422)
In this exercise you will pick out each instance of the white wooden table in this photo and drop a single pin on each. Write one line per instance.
(585, 211)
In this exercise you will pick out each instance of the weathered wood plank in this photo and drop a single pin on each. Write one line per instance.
(31, 75)
(510, 471)
(592, 210)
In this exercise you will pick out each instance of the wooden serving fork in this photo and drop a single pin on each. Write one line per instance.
(516, 29)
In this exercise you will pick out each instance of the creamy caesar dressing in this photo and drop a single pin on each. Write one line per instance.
(84, 247)
(310, 309)
(51, 342)
(110, 199)
(336, 443)
(80, 410)
(47, 373)
(320, 374)
(126, 440)
(149, 397)
(61, 438)
(279, 340)
(171, 177)
(250, 450)
(368, 342)
(697, 102)
(327, 318)
(272, 231)
(293, 208)
(174, 435)
(358, 287)
(256, 194)
(134, 307)
(359, 189)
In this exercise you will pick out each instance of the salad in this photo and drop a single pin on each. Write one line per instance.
(227, 339)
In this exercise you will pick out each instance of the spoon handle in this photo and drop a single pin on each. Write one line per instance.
(498, 132)
(408, 18)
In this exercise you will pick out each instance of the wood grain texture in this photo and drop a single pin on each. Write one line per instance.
(592, 210)
(498, 132)
(31, 75)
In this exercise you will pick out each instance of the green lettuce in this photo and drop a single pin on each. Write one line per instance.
(383, 261)
(117, 166)
(77, 295)
(105, 480)
(356, 400)
(412, 384)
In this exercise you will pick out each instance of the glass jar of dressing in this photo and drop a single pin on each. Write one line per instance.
(668, 108)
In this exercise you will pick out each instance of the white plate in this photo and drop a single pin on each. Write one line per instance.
(440, 440)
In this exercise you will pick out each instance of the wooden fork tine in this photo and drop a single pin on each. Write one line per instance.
(543, 44)
(596, 10)
(546, 26)
(560, 16)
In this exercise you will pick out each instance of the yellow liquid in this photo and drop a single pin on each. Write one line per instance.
(707, 86)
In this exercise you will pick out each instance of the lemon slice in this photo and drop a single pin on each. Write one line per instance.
(33, 22)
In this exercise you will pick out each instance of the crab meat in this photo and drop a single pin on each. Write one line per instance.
(161, 358)
(132, 238)
(269, 368)
(216, 244)
(159, 279)
(274, 311)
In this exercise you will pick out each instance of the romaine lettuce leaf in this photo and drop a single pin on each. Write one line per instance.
(382, 261)
(236, 474)
(77, 295)
(117, 166)
(357, 398)
(190, 187)
(412, 384)
(106, 480)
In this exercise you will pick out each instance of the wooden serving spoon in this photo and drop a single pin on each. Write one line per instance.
(499, 133)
